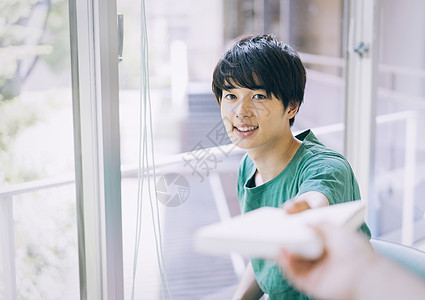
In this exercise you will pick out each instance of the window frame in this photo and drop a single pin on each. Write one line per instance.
(361, 28)
(94, 63)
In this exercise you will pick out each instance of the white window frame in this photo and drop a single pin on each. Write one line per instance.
(362, 20)
(94, 55)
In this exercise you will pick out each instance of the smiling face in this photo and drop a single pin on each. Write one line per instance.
(254, 120)
(259, 84)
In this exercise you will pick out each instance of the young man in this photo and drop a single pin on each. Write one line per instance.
(259, 85)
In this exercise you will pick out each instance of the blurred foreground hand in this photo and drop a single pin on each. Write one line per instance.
(349, 269)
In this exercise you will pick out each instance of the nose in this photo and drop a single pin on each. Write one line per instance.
(243, 108)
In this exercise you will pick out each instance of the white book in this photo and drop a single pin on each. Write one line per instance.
(263, 232)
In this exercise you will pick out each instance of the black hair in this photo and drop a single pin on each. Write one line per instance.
(262, 62)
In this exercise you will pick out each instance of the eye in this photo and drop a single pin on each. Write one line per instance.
(259, 97)
(229, 97)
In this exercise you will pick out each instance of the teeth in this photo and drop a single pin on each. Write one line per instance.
(246, 128)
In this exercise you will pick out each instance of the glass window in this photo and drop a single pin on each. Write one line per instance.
(186, 39)
(400, 110)
(36, 143)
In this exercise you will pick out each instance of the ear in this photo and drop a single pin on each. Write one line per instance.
(292, 110)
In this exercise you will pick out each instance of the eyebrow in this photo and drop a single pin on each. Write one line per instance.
(235, 88)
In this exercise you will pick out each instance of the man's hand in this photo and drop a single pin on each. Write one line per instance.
(305, 201)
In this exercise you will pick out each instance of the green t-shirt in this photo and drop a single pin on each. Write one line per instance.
(313, 168)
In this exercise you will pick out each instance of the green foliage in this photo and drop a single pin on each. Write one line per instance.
(30, 30)
(15, 116)
(16, 43)
(57, 36)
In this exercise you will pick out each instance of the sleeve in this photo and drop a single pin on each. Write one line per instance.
(333, 177)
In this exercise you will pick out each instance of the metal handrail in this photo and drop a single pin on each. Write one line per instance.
(333, 61)
(127, 172)
(36, 185)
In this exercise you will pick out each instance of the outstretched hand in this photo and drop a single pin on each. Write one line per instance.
(305, 201)
(332, 276)
(294, 206)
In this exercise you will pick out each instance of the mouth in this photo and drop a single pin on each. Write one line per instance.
(244, 130)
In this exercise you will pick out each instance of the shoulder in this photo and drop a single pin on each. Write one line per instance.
(328, 167)
(316, 155)
(328, 162)
(323, 169)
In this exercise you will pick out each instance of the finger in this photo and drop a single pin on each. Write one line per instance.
(293, 207)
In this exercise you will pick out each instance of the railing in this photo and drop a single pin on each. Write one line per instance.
(333, 61)
(7, 193)
(7, 247)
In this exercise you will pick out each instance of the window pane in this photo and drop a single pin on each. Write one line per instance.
(186, 39)
(401, 111)
(36, 142)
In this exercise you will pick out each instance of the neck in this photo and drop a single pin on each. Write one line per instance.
(271, 161)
